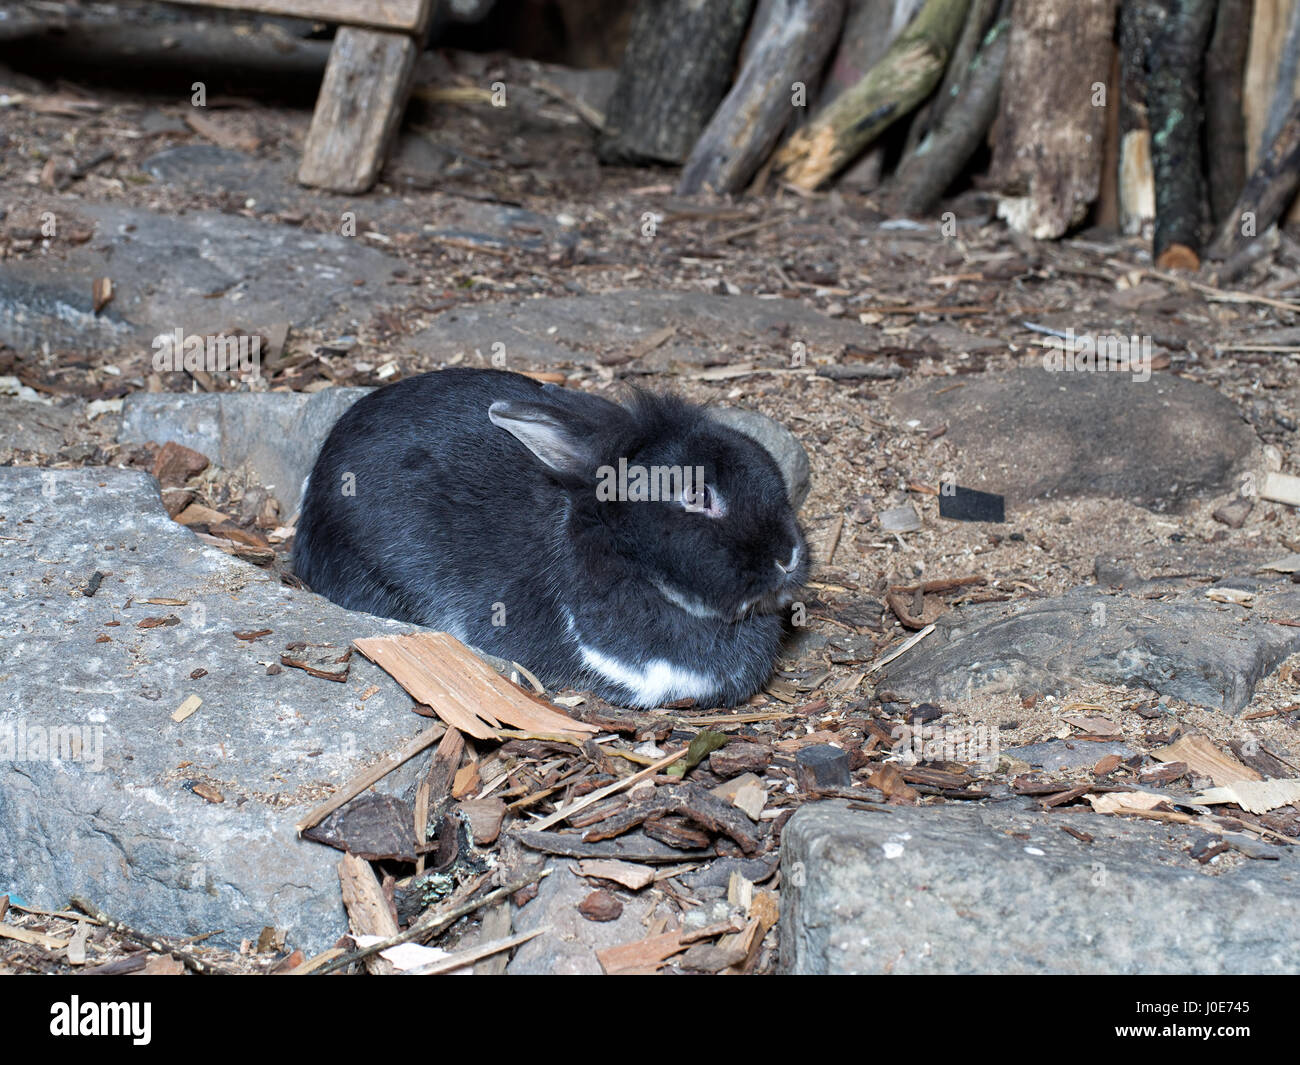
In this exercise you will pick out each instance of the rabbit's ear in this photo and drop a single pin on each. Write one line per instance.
(554, 436)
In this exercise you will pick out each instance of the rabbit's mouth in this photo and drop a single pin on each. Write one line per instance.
(772, 602)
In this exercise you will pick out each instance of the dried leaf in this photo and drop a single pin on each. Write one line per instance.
(701, 747)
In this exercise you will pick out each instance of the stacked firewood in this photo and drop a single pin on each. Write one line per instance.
(1144, 115)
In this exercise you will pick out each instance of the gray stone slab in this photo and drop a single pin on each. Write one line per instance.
(119, 823)
(1068, 754)
(202, 272)
(1035, 434)
(277, 434)
(1187, 647)
(950, 889)
(30, 425)
(566, 329)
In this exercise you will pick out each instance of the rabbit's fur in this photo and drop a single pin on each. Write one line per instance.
(467, 500)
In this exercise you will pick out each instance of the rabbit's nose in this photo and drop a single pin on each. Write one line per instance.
(788, 567)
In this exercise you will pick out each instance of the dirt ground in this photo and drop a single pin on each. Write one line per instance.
(827, 251)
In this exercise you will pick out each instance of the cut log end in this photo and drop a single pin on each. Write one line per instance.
(1178, 257)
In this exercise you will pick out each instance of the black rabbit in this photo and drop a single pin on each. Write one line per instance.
(561, 531)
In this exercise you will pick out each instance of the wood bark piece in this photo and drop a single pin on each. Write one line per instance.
(643, 955)
(1174, 62)
(362, 96)
(441, 672)
(790, 42)
(434, 792)
(608, 790)
(1271, 188)
(409, 15)
(367, 906)
(905, 75)
(684, 801)
(1225, 119)
(1050, 134)
(674, 73)
(435, 921)
(923, 177)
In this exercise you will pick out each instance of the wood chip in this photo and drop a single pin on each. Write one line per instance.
(1254, 796)
(187, 707)
(220, 133)
(626, 874)
(441, 672)
(101, 293)
(1204, 758)
(641, 955)
(1118, 802)
(36, 939)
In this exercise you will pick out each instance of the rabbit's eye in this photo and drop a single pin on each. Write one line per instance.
(697, 498)
(701, 499)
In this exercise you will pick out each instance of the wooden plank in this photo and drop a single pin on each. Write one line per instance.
(360, 106)
(409, 15)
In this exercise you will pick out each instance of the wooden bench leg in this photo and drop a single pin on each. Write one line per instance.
(362, 97)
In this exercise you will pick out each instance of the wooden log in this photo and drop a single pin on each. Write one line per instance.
(870, 27)
(790, 42)
(1051, 122)
(1268, 193)
(903, 78)
(1268, 33)
(1225, 123)
(1137, 183)
(674, 73)
(362, 96)
(925, 175)
(1174, 62)
(979, 20)
(1284, 80)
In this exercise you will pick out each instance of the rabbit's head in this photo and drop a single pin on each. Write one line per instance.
(663, 492)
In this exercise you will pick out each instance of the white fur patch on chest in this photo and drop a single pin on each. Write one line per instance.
(658, 681)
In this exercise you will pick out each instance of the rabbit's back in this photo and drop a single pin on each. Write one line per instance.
(418, 509)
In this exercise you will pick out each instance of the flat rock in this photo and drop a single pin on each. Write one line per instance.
(30, 425)
(203, 272)
(279, 433)
(951, 890)
(1186, 647)
(613, 325)
(120, 822)
(1068, 754)
(1034, 434)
